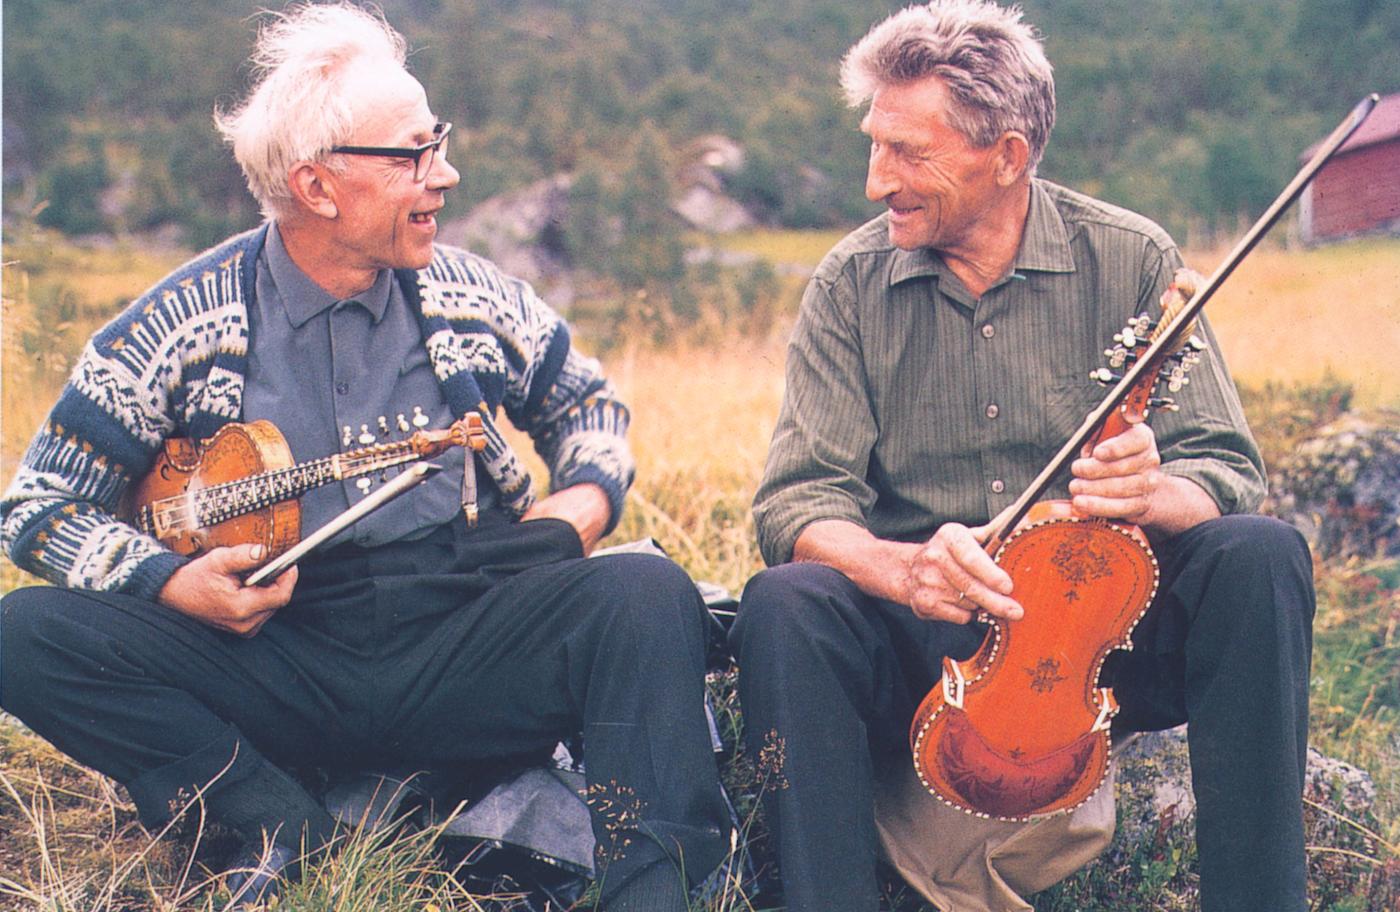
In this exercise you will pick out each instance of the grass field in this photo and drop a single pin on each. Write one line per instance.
(1293, 317)
(702, 415)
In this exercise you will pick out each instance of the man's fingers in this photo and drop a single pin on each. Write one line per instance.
(1130, 508)
(1135, 441)
(932, 605)
(954, 576)
(274, 594)
(253, 623)
(973, 566)
(237, 558)
(1118, 486)
(1185, 282)
(961, 607)
(994, 603)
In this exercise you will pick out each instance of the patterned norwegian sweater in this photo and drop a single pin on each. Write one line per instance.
(173, 363)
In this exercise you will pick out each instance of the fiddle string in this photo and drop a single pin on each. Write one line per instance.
(245, 495)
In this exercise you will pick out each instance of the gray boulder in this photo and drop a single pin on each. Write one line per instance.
(1154, 787)
(1341, 488)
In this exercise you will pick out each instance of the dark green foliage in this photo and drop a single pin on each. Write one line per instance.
(1191, 112)
(620, 224)
(71, 188)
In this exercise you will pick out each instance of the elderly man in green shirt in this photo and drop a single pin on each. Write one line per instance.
(941, 358)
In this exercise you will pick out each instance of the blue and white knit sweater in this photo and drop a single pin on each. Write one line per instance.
(173, 364)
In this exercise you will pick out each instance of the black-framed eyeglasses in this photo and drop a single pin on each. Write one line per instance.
(421, 156)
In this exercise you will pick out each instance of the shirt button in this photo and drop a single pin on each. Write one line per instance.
(342, 387)
(988, 330)
(998, 486)
(993, 411)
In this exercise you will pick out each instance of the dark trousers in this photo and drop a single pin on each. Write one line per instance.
(1226, 647)
(456, 648)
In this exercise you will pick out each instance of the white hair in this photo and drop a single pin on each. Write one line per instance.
(296, 109)
(992, 63)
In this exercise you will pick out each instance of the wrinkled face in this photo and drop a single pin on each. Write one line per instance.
(386, 219)
(935, 183)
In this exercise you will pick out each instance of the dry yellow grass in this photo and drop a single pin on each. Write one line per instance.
(701, 419)
(1291, 316)
(703, 414)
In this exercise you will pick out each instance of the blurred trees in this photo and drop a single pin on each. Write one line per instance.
(1191, 111)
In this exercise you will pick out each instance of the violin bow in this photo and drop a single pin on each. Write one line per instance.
(1150, 359)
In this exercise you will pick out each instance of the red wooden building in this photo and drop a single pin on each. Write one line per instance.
(1358, 192)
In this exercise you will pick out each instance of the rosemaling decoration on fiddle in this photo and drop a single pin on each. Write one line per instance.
(1021, 729)
(241, 486)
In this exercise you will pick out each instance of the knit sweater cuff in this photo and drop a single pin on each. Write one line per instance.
(612, 487)
(152, 575)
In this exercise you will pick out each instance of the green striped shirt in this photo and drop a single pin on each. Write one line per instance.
(909, 403)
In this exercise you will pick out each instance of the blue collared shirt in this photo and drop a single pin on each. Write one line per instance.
(336, 375)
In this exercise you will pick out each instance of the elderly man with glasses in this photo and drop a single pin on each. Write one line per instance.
(416, 636)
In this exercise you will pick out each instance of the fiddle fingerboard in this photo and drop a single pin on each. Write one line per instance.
(220, 503)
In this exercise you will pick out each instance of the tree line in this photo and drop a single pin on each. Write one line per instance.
(1193, 112)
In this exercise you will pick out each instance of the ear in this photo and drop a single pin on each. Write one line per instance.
(1013, 155)
(313, 187)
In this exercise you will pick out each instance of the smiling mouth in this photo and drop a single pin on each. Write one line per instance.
(423, 218)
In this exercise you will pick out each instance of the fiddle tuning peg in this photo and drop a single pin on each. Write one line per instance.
(419, 419)
(1164, 403)
(1117, 357)
(383, 426)
(345, 437)
(1104, 375)
(364, 484)
(1196, 343)
(1142, 325)
(1175, 376)
(402, 423)
(365, 436)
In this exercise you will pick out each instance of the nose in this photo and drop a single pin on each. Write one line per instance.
(442, 176)
(880, 178)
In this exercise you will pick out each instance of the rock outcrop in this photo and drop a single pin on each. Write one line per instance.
(1341, 488)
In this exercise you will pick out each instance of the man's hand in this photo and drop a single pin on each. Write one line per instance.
(209, 589)
(1122, 478)
(946, 579)
(951, 576)
(583, 506)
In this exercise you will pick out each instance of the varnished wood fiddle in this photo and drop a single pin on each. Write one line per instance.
(241, 485)
(1022, 727)
(984, 740)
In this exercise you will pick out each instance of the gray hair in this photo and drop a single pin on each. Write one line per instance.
(296, 110)
(992, 63)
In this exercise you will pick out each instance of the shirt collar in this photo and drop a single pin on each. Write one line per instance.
(304, 299)
(1044, 246)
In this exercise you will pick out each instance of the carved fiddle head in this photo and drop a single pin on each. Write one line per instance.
(466, 432)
